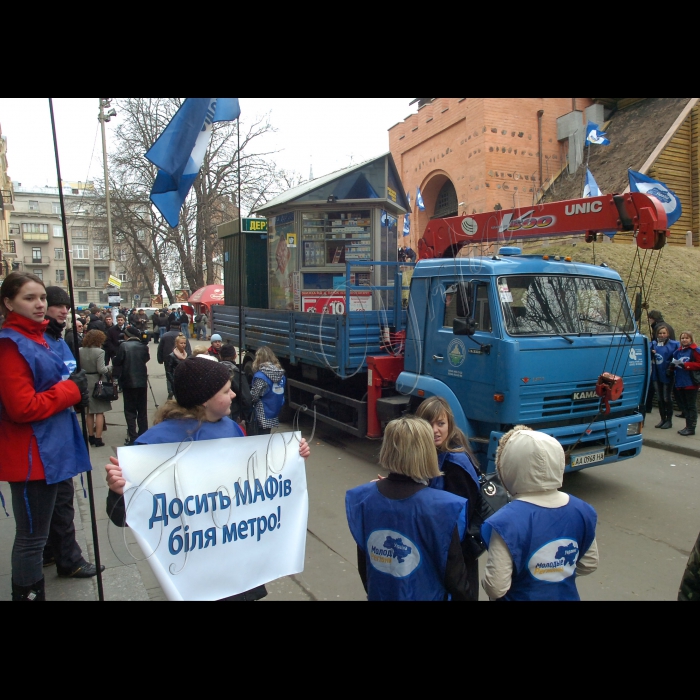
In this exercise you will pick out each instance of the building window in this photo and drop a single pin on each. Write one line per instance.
(55, 207)
(58, 254)
(14, 229)
(120, 255)
(57, 231)
(101, 275)
(446, 204)
(12, 247)
(39, 274)
(101, 252)
(36, 254)
(141, 234)
(35, 228)
(78, 232)
(60, 275)
(122, 276)
(81, 252)
(82, 297)
(33, 205)
(81, 275)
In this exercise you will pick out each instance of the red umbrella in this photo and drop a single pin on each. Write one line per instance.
(210, 295)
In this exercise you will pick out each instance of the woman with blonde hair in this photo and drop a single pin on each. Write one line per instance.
(267, 391)
(408, 535)
(92, 360)
(460, 476)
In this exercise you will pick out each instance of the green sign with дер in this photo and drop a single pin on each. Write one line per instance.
(255, 225)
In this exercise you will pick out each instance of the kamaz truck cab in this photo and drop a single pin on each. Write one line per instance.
(513, 339)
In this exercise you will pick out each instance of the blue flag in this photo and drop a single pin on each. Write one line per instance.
(668, 198)
(406, 224)
(179, 150)
(419, 199)
(595, 135)
(591, 189)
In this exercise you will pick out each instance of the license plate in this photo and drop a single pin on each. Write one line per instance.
(591, 458)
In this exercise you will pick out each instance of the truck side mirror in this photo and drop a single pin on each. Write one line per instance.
(463, 326)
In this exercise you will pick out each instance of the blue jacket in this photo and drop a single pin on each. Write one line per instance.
(59, 438)
(458, 458)
(406, 542)
(545, 544)
(660, 358)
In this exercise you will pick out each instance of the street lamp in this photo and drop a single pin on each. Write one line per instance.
(102, 118)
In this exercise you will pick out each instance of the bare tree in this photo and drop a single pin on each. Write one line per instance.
(162, 254)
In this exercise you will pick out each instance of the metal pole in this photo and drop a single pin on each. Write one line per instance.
(104, 102)
(69, 275)
(240, 254)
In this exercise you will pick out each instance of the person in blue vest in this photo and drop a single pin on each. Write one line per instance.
(686, 360)
(200, 412)
(408, 535)
(544, 538)
(459, 466)
(61, 547)
(662, 349)
(267, 390)
(38, 427)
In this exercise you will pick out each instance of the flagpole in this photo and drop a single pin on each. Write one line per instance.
(69, 277)
(240, 252)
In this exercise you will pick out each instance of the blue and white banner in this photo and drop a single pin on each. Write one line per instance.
(179, 150)
(218, 517)
(406, 224)
(668, 198)
(591, 189)
(419, 199)
(595, 135)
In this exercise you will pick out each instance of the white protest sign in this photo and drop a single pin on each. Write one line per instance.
(218, 517)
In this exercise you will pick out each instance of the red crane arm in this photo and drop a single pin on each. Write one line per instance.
(609, 214)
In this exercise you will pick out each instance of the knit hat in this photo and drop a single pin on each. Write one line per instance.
(216, 337)
(195, 381)
(56, 296)
(227, 351)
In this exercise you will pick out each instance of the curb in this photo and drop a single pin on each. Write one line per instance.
(671, 447)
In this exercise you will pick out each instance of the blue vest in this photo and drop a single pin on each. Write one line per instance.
(660, 357)
(405, 542)
(458, 458)
(177, 430)
(683, 378)
(545, 544)
(59, 346)
(272, 400)
(59, 438)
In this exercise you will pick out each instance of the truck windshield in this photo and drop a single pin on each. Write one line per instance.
(546, 305)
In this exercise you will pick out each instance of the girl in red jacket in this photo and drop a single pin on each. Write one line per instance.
(38, 427)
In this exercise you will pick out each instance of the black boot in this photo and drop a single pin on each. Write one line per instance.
(688, 430)
(35, 592)
(666, 425)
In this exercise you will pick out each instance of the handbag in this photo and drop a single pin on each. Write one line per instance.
(492, 497)
(106, 391)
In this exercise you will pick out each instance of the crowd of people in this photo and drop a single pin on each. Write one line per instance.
(419, 532)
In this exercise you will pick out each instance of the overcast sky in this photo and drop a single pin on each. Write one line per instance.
(324, 132)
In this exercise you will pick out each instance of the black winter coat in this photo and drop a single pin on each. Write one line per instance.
(131, 364)
(167, 345)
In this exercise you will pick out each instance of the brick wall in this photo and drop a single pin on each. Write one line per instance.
(487, 147)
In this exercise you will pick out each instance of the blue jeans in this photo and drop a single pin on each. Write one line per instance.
(32, 528)
(185, 329)
(162, 330)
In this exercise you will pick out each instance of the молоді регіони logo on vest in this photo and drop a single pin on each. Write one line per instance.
(392, 553)
(555, 561)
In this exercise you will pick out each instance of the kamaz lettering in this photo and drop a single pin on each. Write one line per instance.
(585, 208)
(583, 395)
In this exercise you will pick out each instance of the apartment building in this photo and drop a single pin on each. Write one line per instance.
(6, 206)
(36, 240)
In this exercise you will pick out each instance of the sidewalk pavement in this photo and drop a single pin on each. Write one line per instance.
(127, 574)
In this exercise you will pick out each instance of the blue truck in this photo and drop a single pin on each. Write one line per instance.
(505, 338)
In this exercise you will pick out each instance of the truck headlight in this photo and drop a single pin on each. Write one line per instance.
(634, 429)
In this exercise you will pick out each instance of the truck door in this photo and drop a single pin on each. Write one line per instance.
(465, 363)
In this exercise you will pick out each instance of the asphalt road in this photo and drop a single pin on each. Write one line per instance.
(648, 519)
